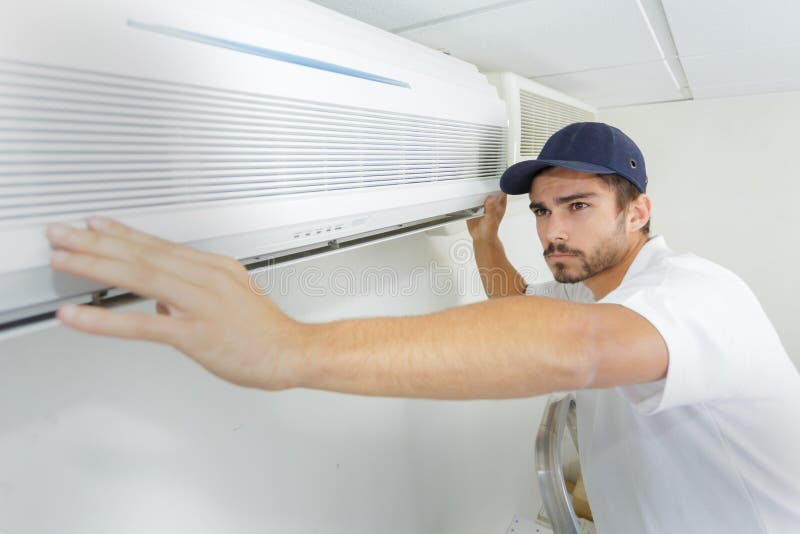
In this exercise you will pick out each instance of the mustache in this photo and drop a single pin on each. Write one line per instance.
(560, 249)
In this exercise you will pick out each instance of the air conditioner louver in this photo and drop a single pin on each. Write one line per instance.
(535, 112)
(77, 143)
(540, 117)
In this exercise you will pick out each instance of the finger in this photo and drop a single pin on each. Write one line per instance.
(129, 325)
(98, 243)
(138, 278)
(139, 252)
(111, 227)
(114, 239)
(494, 207)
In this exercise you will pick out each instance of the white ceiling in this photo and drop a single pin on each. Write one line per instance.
(610, 52)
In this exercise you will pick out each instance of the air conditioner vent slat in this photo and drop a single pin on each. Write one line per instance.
(216, 102)
(74, 143)
(540, 117)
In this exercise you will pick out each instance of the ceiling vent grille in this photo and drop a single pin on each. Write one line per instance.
(540, 117)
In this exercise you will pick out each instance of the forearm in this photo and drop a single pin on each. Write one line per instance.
(497, 349)
(511, 347)
(498, 276)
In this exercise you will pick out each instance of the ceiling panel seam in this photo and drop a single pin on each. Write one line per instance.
(648, 103)
(662, 37)
(594, 69)
(658, 44)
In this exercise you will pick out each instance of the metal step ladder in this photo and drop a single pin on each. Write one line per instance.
(559, 415)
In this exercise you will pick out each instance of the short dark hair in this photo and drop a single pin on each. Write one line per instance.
(626, 193)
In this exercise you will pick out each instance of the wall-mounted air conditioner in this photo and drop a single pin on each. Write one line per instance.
(535, 112)
(253, 129)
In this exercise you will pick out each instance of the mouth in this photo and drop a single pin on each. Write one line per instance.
(557, 256)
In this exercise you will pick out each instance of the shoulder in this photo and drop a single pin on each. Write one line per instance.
(698, 307)
(694, 301)
(677, 275)
(711, 324)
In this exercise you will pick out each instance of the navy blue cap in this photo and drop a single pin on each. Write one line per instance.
(591, 147)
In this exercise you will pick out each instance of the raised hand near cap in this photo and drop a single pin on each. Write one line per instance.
(485, 228)
(207, 307)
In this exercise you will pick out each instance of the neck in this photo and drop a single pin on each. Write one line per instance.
(607, 281)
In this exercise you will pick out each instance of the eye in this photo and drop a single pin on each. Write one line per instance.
(540, 212)
(579, 206)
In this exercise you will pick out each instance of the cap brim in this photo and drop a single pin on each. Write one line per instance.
(518, 178)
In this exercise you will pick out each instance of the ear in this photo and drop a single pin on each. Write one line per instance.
(638, 213)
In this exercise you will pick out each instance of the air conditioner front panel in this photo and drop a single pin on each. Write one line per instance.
(241, 230)
(238, 138)
(144, 156)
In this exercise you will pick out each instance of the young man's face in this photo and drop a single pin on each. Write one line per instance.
(579, 223)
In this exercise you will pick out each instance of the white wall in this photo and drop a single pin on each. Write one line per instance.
(725, 179)
(99, 435)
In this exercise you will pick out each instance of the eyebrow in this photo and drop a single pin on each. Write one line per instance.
(563, 200)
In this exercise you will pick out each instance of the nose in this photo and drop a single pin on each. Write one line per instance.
(556, 229)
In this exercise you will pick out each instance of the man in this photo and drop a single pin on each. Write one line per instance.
(687, 401)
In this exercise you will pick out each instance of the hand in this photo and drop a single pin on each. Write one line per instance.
(206, 306)
(485, 228)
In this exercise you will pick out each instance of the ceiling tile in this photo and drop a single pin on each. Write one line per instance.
(546, 36)
(392, 14)
(740, 73)
(619, 86)
(601, 51)
(726, 25)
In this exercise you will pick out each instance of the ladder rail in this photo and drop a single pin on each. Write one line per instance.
(559, 414)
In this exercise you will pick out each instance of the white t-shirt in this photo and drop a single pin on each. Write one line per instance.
(713, 447)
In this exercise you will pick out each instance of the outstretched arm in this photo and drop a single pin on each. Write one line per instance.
(510, 347)
(499, 277)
